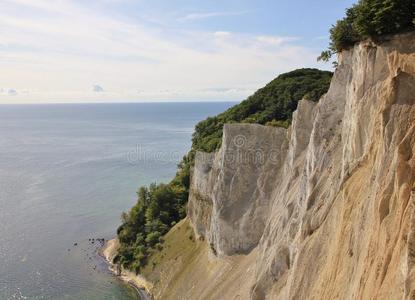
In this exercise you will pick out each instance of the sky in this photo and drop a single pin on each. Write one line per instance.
(79, 51)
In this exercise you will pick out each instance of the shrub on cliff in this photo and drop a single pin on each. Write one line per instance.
(157, 208)
(370, 19)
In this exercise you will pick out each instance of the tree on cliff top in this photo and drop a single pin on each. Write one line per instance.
(370, 19)
(270, 104)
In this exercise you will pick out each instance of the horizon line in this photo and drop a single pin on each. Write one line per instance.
(131, 102)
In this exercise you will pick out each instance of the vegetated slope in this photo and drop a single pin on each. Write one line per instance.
(161, 206)
(185, 260)
(272, 105)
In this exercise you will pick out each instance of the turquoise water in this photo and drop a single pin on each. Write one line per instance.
(67, 172)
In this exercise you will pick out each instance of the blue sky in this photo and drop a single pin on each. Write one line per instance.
(300, 18)
(176, 50)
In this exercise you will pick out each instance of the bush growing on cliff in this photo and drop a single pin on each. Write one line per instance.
(370, 19)
(278, 123)
(374, 18)
(157, 208)
(161, 206)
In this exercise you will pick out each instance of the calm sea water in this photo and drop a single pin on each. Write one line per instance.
(66, 174)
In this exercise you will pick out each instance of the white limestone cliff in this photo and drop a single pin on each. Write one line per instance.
(233, 186)
(325, 209)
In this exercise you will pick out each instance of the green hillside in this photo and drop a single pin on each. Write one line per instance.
(272, 104)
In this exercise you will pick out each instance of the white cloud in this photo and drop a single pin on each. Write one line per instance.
(97, 88)
(12, 92)
(221, 34)
(71, 46)
(206, 15)
(275, 40)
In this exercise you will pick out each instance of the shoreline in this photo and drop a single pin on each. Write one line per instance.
(108, 251)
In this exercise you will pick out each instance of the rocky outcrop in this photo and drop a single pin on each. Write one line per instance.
(231, 190)
(325, 209)
(344, 229)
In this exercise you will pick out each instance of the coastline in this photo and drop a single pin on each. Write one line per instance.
(138, 282)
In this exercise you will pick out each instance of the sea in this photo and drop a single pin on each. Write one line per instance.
(67, 172)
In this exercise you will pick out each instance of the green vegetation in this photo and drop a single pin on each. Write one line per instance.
(178, 242)
(161, 206)
(274, 103)
(158, 209)
(370, 19)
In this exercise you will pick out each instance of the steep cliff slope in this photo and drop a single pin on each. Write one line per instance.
(160, 206)
(323, 210)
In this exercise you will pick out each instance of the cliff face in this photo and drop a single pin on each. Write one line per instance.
(323, 210)
(231, 190)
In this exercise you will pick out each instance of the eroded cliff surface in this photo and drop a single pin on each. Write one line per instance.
(231, 190)
(323, 210)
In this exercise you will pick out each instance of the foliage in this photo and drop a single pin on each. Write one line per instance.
(279, 123)
(157, 208)
(276, 101)
(370, 19)
(374, 18)
(161, 206)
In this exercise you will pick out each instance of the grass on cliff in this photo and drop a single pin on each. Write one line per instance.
(181, 262)
(160, 206)
(180, 247)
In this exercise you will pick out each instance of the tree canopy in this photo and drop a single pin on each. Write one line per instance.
(370, 19)
(274, 102)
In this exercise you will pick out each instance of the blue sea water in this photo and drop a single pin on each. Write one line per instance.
(67, 172)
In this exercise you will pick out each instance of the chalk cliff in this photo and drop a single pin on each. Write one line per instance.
(322, 210)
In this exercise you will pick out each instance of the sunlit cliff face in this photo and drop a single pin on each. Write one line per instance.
(334, 216)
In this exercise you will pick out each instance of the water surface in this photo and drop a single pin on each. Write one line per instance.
(66, 174)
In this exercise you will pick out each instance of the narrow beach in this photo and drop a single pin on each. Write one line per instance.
(139, 283)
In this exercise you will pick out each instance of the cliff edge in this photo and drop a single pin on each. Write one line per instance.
(323, 210)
